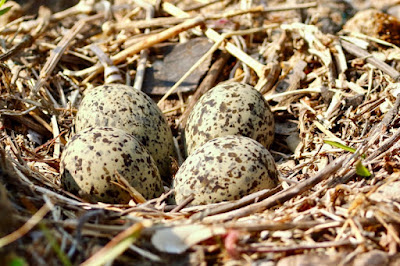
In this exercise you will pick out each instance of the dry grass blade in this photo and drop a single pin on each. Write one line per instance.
(116, 246)
(303, 247)
(321, 79)
(56, 54)
(23, 230)
(356, 51)
(152, 40)
(248, 200)
(206, 84)
(281, 197)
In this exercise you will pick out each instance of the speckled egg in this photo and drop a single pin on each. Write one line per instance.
(124, 107)
(93, 156)
(230, 109)
(225, 168)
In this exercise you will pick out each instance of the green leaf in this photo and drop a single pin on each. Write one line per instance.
(341, 146)
(361, 170)
(17, 261)
(4, 10)
(54, 244)
(2, 2)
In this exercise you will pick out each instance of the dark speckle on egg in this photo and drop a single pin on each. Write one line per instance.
(225, 168)
(230, 109)
(126, 108)
(88, 168)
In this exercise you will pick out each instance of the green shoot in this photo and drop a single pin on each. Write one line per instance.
(343, 147)
(361, 170)
(56, 248)
(17, 261)
(4, 10)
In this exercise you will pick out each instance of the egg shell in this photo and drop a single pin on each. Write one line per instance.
(230, 109)
(124, 107)
(93, 156)
(225, 168)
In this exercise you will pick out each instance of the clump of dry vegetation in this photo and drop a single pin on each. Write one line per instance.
(335, 99)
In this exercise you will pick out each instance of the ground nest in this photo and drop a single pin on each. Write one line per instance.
(329, 71)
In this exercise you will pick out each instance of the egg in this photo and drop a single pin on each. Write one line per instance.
(230, 109)
(225, 168)
(92, 158)
(124, 107)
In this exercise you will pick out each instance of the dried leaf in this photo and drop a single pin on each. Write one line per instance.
(164, 74)
(178, 239)
(387, 192)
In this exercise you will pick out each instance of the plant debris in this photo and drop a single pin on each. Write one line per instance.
(326, 78)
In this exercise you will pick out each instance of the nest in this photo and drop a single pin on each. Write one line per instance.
(335, 98)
